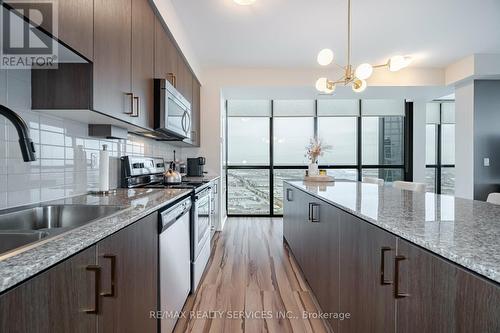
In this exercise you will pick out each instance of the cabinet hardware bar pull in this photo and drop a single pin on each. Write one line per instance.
(131, 103)
(97, 277)
(136, 114)
(314, 212)
(173, 79)
(383, 281)
(398, 294)
(289, 194)
(112, 292)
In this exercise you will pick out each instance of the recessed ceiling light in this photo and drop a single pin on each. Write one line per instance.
(244, 2)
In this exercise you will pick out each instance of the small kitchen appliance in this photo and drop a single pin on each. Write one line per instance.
(195, 167)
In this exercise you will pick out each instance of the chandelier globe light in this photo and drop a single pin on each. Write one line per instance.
(356, 78)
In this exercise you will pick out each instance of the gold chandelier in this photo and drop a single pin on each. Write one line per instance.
(357, 78)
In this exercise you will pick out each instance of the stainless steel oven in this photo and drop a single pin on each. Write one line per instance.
(172, 112)
(200, 235)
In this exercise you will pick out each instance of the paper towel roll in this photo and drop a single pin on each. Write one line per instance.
(104, 169)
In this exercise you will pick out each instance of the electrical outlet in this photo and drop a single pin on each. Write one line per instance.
(486, 162)
(93, 161)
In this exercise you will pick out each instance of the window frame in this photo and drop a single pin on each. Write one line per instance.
(406, 167)
(438, 166)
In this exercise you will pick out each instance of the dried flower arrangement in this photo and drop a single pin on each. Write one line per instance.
(315, 149)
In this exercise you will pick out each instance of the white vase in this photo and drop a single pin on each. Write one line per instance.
(313, 170)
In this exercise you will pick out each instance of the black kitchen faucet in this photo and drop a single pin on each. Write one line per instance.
(25, 142)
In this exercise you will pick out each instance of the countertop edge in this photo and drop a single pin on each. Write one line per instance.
(127, 218)
(486, 273)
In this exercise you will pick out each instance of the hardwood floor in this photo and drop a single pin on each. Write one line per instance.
(252, 284)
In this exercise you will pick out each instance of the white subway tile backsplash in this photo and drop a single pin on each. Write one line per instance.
(52, 193)
(64, 151)
(3, 90)
(22, 198)
(52, 152)
(3, 165)
(18, 182)
(52, 138)
(51, 123)
(3, 199)
(18, 166)
(3, 183)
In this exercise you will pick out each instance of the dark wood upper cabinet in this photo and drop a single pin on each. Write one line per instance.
(195, 139)
(129, 261)
(166, 54)
(129, 46)
(54, 301)
(185, 80)
(112, 57)
(143, 31)
(75, 25)
(366, 252)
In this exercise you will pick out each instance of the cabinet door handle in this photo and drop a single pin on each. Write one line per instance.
(383, 281)
(314, 212)
(112, 292)
(136, 113)
(173, 79)
(187, 120)
(97, 277)
(397, 293)
(289, 194)
(131, 103)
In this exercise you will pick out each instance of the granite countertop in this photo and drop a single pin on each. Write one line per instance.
(206, 178)
(19, 265)
(463, 231)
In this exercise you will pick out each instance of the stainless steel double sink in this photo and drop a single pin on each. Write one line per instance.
(33, 224)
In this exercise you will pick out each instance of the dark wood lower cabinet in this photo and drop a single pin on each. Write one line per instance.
(385, 283)
(430, 283)
(68, 298)
(54, 301)
(366, 252)
(131, 290)
(314, 245)
(443, 297)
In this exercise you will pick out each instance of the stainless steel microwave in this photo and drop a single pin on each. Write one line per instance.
(172, 112)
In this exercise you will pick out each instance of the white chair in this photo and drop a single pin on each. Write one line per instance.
(409, 186)
(373, 180)
(494, 198)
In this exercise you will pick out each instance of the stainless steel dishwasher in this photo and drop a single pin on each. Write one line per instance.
(175, 262)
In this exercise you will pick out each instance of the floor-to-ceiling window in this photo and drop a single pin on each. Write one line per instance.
(248, 157)
(266, 143)
(440, 147)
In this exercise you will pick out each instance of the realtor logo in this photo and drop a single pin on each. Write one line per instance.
(25, 41)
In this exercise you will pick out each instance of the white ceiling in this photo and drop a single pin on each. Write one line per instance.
(289, 33)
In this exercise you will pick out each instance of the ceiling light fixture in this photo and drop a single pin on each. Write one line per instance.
(244, 2)
(356, 78)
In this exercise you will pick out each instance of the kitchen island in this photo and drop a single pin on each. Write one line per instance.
(397, 261)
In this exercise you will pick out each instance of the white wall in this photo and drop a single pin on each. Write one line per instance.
(464, 140)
